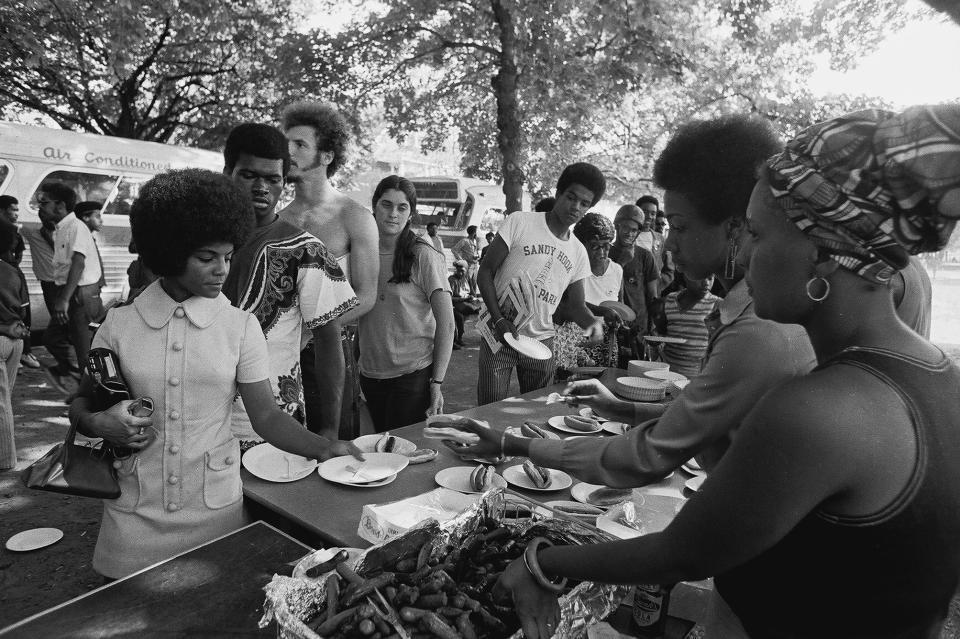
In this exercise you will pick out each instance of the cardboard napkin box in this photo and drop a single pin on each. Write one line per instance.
(380, 522)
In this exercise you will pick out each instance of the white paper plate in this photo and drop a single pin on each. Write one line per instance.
(664, 339)
(626, 313)
(607, 522)
(692, 467)
(694, 483)
(581, 492)
(458, 479)
(34, 539)
(558, 479)
(617, 428)
(528, 346)
(270, 463)
(367, 444)
(557, 422)
(376, 468)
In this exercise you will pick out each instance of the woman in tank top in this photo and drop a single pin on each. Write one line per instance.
(834, 512)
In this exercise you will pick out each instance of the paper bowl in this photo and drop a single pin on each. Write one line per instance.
(641, 389)
(637, 367)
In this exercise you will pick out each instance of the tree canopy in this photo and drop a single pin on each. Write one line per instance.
(156, 70)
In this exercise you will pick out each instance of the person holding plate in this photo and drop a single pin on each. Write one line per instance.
(183, 345)
(538, 250)
(841, 483)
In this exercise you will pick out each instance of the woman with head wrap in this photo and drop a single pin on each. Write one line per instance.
(833, 513)
(605, 283)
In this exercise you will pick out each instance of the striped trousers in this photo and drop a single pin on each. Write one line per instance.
(10, 350)
(493, 380)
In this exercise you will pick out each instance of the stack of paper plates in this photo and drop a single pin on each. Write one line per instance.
(641, 389)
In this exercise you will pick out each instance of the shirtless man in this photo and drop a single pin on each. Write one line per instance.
(317, 135)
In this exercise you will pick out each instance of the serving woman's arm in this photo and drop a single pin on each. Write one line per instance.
(442, 346)
(783, 465)
(283, 431)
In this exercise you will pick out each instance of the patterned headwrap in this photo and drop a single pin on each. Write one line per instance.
(871, 187)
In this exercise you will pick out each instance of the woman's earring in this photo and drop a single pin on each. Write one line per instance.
(826, 288)
(730, 267)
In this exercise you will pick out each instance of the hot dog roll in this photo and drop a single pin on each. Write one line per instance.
(481, 478)
(538, 475)
(531, 429)
(421, 455)
(584, 424)
(386, 444)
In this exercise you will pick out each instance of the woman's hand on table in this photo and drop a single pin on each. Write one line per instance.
(119, 427)
(537, 607)
(339, 448)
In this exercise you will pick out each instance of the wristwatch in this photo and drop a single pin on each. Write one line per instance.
(436, 381)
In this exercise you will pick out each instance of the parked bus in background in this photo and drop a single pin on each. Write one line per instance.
(454, 203)
(101, 168)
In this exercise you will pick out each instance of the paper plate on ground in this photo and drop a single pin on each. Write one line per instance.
(34, 539)
(368, 443)
(625, 312)
(528, 346)
(558, 479)
(458, 479)
(557, 422)
(376, 467)
(272, 464)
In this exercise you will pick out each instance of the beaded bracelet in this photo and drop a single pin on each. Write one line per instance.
(533, 566)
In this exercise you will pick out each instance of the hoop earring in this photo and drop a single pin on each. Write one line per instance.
(826, 290)
(730, 266)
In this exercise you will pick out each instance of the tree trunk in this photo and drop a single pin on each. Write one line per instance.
(508, 115)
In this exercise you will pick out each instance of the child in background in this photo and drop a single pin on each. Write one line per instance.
(684, 315)
(13, 300)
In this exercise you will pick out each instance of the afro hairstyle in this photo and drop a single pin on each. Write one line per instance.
(180, 211)
(545, 205)
(648, 199)
(256, 140)
(587, 176)
(714, 163)
(594, 226)
(331, 128)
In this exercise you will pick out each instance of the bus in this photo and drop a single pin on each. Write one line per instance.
(102, 168)
(455, 203)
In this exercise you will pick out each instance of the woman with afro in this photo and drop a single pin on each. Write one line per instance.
(183, 345)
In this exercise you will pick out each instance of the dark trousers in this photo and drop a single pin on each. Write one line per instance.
(398, 401)
(314, 399)
(85, 307)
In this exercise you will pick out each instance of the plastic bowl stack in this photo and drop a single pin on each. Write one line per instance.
(637, 367)
(641, 389)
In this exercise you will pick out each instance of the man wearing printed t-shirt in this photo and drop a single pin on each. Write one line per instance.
(537, 248)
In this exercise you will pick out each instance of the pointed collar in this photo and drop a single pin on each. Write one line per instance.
(156, 307)
(735, 302)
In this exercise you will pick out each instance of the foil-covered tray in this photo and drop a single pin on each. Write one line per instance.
(292, 601)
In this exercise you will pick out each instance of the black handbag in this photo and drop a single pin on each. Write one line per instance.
(74, 469)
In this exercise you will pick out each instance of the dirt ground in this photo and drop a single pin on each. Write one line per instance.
(31, 582)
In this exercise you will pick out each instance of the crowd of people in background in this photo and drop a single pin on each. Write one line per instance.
(782, 281)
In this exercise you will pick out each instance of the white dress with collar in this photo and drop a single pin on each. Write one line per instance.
(184, 489)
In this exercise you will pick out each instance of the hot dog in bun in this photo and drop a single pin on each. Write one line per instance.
(386, 444)
(481, 478)
(538, 475)
(584, 424)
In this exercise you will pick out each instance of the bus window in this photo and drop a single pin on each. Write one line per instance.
(127, 191)
(88, 186)
(4, 174)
